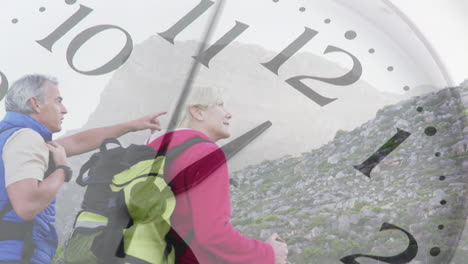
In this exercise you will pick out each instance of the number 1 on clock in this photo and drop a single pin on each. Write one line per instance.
(367, 166)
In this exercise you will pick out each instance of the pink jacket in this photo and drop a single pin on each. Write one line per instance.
(206, 208)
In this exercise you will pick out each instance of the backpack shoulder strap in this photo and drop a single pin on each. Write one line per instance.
(170, 157)
(178, 150)
(14, 231)
(94, 158)
(6, 209)
(7, 206)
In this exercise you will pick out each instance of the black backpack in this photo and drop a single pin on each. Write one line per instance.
(126, 208)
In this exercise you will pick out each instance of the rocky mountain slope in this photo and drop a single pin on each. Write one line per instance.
(326, 209)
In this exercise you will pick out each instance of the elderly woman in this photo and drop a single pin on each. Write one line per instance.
(202, 214)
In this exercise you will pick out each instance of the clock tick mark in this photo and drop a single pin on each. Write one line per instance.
(42, 9)
(371, 51)
(276, 1)
(390, 68)
(350, 35)
(430, 131)
(70, 2)
(327, 21)
(14, 20)
(406, 88)
(435, 251)
(302, 9)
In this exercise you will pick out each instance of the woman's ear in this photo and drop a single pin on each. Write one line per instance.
(197, 113)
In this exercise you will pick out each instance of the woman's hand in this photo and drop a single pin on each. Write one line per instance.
(279, 248)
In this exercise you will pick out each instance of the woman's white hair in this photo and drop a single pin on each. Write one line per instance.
(21, 91)
(201, 97)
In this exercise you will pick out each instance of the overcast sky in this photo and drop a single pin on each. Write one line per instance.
(272, 25)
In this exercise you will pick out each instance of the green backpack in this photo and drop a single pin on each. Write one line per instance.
(126, 208)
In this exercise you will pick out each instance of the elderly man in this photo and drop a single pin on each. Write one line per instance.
(27, 185)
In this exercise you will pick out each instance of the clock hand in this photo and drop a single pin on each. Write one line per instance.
(217, 158)
(217, 46)
(195, 67)
(236, 145)
(190, 79)
(232, 148)
(180, 102)
(188, 82)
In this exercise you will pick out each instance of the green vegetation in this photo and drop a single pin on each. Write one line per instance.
(398, 182)
(340, 133)
(265, 187)
(358, 205)
(444, 126)
(375, 209)
(404, 202)
(325, 167)
(317, 220)
(422, 192)
(241, 222)
(291, 180)
(295, 239)
(336, 248)
(271, 218)
(267, 218)
(313, 251)
(293, 210)
(456, 156)
(340, 248)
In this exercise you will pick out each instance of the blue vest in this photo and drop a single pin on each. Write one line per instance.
(43, 226)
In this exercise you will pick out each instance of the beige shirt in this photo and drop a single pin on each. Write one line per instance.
(25, 156)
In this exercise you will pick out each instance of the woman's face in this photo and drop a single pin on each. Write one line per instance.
(216, 121)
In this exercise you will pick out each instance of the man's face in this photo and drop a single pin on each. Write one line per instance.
(51, 112)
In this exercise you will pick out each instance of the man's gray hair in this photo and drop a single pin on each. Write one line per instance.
(19, 93)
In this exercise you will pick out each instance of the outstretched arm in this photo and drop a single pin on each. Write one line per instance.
(91, 139)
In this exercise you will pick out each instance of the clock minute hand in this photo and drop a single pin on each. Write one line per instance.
(167, 137)
(205, 166)
(236, 145)
(195, 67)
(111, 246)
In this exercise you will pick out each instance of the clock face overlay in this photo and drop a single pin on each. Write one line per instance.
(365, 158)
